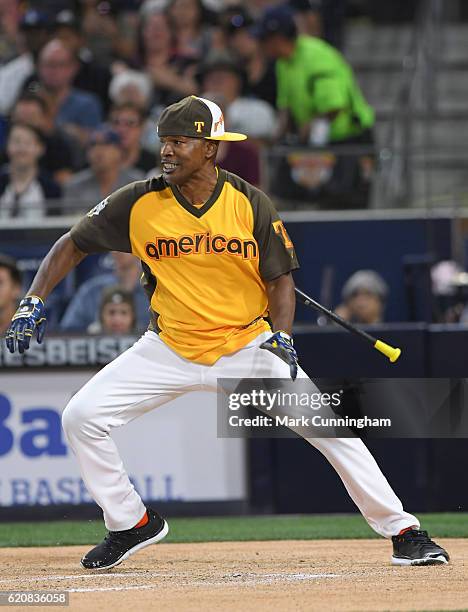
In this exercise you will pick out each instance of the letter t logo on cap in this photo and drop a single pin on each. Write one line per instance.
(199, 125)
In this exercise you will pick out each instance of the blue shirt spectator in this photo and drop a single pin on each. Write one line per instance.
(80, 108)
(84, 307)
(76, 111)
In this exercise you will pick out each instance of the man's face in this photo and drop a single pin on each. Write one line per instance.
(103, 157)
(185, 12)
(276, 46)
(182, 157)
(23, 147)
(157, 31)
(117, 318)
(243, 43)
(57, 67)
(9, 290)
(365, 307)
(126, 122)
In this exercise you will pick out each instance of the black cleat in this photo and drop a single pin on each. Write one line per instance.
(414, 547)
(119, 545)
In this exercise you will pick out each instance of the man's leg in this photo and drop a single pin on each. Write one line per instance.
(362, 477)
(144, 377)
(366, 485)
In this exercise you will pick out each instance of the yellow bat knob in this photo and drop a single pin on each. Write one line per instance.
(389, 351)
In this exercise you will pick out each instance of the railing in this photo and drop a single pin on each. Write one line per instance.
(417, 95)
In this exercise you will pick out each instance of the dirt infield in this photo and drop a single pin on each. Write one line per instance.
(245, 576)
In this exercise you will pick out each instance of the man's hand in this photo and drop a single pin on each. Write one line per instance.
(29, 316)
(281, 345)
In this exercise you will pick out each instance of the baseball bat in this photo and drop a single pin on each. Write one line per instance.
(389, 351)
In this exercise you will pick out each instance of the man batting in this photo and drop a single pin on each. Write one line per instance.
(216, 263)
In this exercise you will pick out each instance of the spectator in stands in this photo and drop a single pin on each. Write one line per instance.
(128, 121)
(221, 74)
(194, 36)
(308, 16)
(260, 71)
(77, 111)
(109, 29)
(9, 30)
(34, 29)
(133, 87)
(91, 76)
(84, 306)
(317, 91)
(105, 174)
(117, 315)
(10, 290)
(171, 73)
(364, 296)
(24, 187)
(450, 291)
(58, 157)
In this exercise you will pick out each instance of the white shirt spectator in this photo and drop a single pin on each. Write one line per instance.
(30, 204)
(256, 118)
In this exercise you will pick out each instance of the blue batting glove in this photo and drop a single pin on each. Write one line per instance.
(30, 316)
(281, 345)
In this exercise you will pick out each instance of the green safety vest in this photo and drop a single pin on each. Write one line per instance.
(317, 80)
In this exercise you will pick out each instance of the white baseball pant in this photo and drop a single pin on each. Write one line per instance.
(148, 375)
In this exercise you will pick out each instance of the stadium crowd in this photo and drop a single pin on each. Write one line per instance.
(83, 83)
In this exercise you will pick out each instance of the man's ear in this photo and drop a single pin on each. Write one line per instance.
(211, 148)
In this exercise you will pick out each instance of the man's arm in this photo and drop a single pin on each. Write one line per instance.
(281, 302)
(59, 261)
(276, 262)
(281, 306)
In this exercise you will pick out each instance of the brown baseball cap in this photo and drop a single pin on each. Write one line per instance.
(196, 118)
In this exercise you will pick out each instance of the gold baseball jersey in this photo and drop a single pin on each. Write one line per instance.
(204, 268)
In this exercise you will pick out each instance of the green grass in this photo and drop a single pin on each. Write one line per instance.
(219, 529)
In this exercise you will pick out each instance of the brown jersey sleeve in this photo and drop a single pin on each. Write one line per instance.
(106, 226)
(276, 251)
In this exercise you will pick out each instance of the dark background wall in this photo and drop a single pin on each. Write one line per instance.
(383, 245)
(289, 476)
